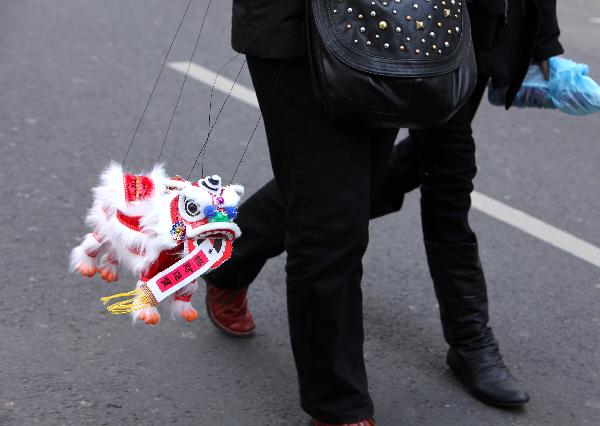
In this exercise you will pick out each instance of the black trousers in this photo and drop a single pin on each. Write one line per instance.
(324, 175)
(440, 160)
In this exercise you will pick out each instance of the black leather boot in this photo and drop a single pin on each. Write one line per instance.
(473, 356)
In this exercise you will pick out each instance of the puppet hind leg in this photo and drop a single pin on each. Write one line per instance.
(182, 303)
(108, 265)
(84, 257)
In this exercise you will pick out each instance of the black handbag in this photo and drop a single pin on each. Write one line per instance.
(391, 63)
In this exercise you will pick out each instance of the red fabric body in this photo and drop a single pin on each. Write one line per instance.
(137, 187)
(183, 297)
(165, 259)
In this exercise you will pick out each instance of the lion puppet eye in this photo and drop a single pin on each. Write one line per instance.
(192, 208)
(192, 201)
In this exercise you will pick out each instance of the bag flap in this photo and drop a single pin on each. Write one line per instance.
(397, 38)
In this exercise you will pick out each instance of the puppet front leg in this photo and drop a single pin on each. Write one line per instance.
(182, 303)
(149, 315)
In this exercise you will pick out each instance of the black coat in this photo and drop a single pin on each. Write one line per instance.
(270, 28)
(277, 29)
(530, 34)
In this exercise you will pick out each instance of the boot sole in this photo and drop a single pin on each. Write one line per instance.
(505, 405)
(222, 328)
(498, 404)
(485, 400)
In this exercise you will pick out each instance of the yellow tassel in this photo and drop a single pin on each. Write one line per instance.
(140, 298)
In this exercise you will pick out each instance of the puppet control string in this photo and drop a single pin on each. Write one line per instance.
(211, 125)
(181, 88)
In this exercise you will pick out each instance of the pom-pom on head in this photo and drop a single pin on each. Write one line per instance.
(212, 184)
(208, 209)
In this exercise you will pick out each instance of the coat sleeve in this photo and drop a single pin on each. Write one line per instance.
(547, 44)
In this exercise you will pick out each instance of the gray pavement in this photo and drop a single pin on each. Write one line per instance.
(74, 76)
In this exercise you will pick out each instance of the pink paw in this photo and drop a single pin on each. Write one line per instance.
(108, 275)
(85, 269)
(189, 314)
(149, 315)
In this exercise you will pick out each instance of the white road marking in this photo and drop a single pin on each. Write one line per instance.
(494, 208)
(595, 21)
(536, 228)
(222, 84)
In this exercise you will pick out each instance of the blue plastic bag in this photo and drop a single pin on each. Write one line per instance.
(570, 89)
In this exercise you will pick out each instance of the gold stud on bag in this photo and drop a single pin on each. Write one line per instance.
(383, 62)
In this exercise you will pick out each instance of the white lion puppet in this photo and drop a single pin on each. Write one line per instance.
(167, 231)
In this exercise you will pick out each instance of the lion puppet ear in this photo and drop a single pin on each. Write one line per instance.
(239, 189)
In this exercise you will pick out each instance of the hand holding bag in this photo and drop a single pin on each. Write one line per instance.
(391, 63)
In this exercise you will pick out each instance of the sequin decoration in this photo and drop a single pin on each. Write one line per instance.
(178, 231)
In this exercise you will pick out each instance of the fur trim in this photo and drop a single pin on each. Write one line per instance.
(147, 244)
(178, 307)
(183, 309)
(108, 264)
(228, 230)
(88, 252)
(135, 316)
(157, 222)
(78, 256)
(238, 189)
(133, 249)
(111, 191)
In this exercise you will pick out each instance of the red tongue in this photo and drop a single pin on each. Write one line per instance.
(225, 246)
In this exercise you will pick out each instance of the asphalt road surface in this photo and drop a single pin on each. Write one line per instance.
(74, 77)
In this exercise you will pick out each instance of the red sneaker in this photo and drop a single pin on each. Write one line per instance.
(228, 311)
(366, 422)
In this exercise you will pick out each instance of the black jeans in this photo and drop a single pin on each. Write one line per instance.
(318, 211)
(440, 160)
